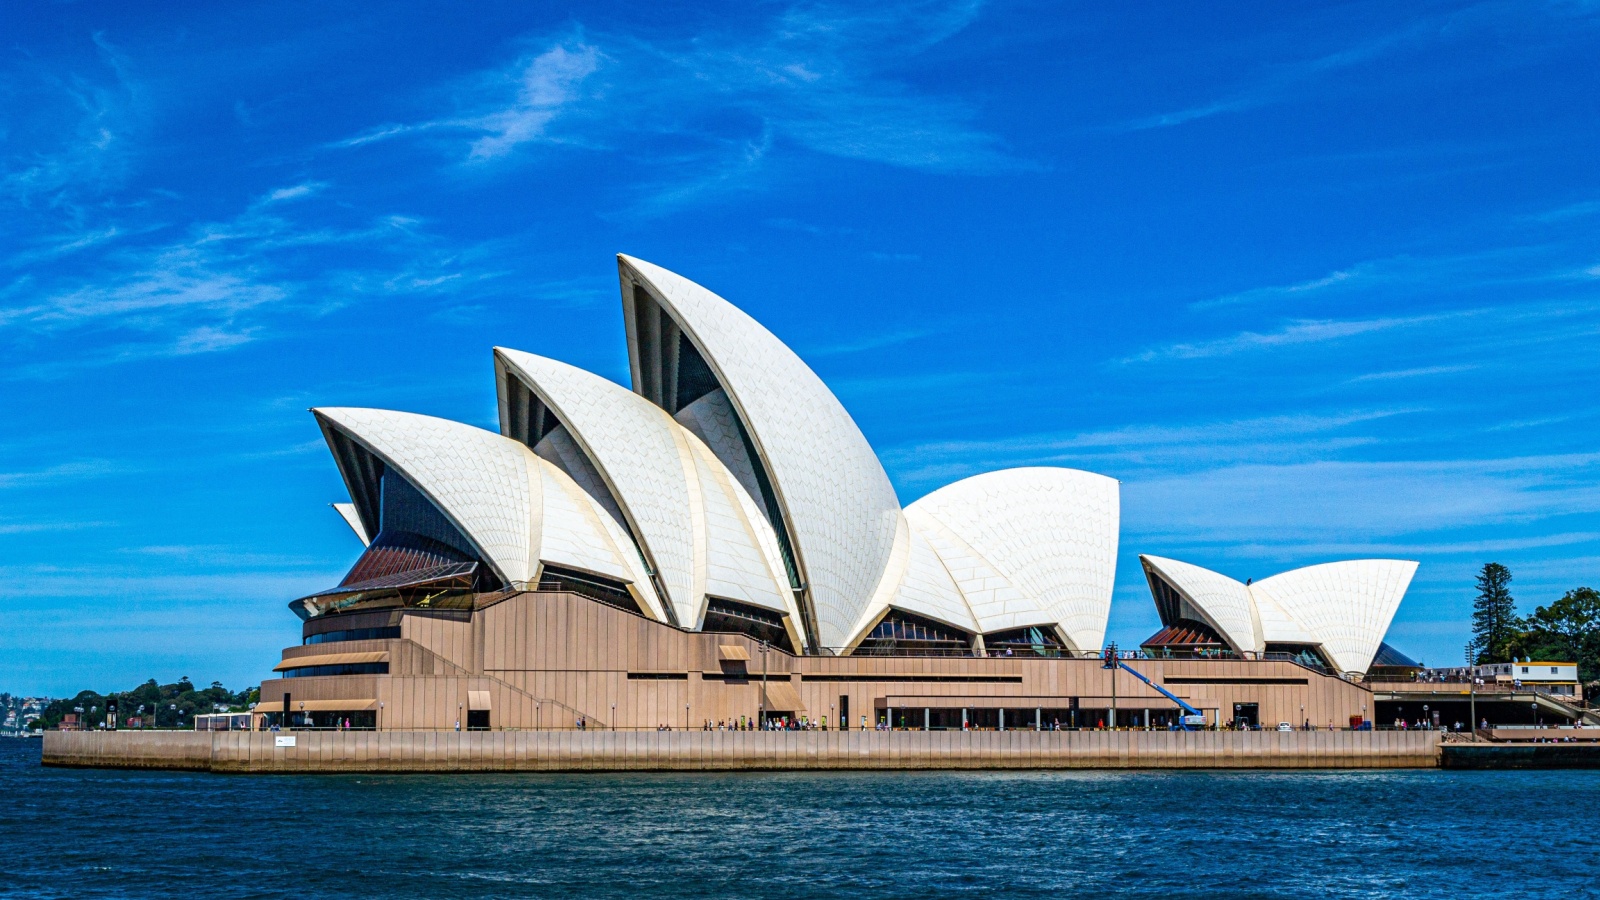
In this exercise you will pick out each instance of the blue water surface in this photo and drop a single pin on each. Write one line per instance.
(88, 833)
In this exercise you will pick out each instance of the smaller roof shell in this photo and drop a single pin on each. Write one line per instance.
(1017, 547)
(516, 509)
(1342, 607)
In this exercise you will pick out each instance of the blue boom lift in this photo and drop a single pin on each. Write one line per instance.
(1192, 718)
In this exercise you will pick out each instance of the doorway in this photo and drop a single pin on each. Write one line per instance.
(1246, 715)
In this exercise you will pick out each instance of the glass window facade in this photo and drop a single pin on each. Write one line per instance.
(378, 668)
(355, 634)
(903, 634)
(741, 618)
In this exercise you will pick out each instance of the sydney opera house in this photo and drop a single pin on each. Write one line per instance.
(720, 544)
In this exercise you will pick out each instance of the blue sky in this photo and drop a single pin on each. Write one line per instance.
(1313, 281)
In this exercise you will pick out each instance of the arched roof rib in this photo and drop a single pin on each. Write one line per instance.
(676, 499)
(827, 496)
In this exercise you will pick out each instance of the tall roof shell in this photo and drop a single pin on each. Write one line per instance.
(1347, 605)
(515, 508)
(1029, 546)
(674, 494)
(835, 504)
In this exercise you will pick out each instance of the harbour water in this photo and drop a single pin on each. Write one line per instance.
(1397, 833)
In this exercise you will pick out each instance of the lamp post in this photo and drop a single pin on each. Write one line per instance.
(535, 715)
(1472, 704)
(761, 702)
(1426, 721)
(378, 725)
(686, 717)
(613, 717)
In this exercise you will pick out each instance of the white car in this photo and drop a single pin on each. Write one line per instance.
(1285, 726)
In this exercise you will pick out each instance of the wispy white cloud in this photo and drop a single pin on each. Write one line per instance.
(544, 85)
(861, 343)
(88, 139)
(36, 527)
(67, 471)
(1156, 449)
(218, 286)
(1282, 292)
(1418, 372)
(1312, 331)
(1284, 81)
(294, 192)
(717, 107)
(1338, 500)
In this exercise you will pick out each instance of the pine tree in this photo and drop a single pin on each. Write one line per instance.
(1494, 615)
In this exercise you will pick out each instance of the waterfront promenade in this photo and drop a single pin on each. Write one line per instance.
(578, 751)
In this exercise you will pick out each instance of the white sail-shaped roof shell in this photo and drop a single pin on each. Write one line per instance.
(1342, 607)
(695, 521)
(1028, 546)
(836, 503)
(518, 510)
(1218, 600)
(1347, 605)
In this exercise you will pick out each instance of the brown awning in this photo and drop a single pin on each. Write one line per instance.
(733, 653)
(478, 700)
(782, 697)
(276, 706)
(332, 659)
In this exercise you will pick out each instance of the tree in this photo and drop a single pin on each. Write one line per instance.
(1567, 630)
(1494, 615)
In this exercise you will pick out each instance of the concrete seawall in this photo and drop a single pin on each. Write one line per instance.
(577, 751)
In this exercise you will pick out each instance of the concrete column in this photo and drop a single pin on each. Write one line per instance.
(1002, 718)
(927, 719)
(1038, 718)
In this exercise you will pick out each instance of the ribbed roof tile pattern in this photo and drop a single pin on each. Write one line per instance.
(1220, 601)
(1347, 605)
(1049, 534)
(517, 509)
(676, 496)
(1343, 607)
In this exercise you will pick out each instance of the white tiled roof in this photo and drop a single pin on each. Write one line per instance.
(517, 509)
(1347, 605)
(1343, 607)
(1029, 546)
(841, 511)
(1223, 603)
(674, 494)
